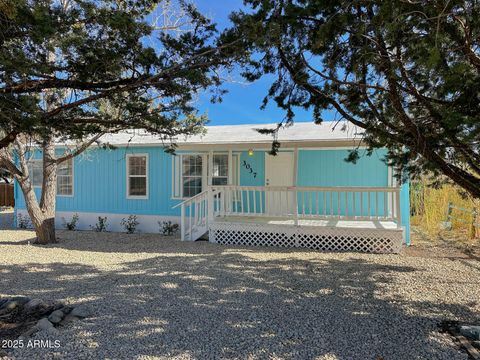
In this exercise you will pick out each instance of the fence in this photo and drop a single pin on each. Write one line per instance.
(454, 213)
(6, 195)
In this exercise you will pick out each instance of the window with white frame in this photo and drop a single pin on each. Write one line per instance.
(220, 169)
(65, 178)
(137, 176)
(35, 170)
(191, 175)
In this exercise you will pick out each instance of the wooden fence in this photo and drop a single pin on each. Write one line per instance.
(456, 212)
(6, 195)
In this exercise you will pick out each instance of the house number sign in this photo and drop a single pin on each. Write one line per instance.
(249, 169)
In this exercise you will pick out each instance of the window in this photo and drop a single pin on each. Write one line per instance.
(220, 170)
(35, 169)
(137, 178)
(65, 178)
(191, 175)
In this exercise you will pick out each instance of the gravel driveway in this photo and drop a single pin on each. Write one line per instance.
(157, 297)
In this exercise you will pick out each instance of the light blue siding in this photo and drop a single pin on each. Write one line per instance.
(256, 163)
(100, 184)
(329, 168)
(405, 209)
(100, 180)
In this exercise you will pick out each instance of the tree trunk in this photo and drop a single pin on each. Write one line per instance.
(42, 215)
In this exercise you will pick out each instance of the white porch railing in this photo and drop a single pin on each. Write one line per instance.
(332, 203)
(194, 216)
(341, 203)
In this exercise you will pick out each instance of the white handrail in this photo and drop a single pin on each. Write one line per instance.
(194, 216)
(345, 203)
(190, 199)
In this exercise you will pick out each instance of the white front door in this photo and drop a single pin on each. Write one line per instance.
(279, 171)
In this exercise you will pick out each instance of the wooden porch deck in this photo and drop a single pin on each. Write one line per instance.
(333, 219)
(334, 223)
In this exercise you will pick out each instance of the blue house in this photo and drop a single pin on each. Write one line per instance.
(224, 185)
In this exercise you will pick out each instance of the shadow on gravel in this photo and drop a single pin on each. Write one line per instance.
(221, 302)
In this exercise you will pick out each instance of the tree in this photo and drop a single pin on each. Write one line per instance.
(5, 176)
(406, 72)
(73, 70)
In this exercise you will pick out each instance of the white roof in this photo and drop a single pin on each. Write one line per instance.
(247, 134)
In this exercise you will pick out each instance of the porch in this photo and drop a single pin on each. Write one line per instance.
(366, 219)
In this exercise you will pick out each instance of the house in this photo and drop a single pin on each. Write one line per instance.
(225, 183)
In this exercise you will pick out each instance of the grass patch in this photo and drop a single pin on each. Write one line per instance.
(429, 207)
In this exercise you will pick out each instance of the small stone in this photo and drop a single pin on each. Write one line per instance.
(69, 318)
(476, 343)
(67, 309)
(35, 303)
(13, 303)
(29, 332)
(44, 324)
(21, 299)
(470, 331)
(81, 311)
(56, 316)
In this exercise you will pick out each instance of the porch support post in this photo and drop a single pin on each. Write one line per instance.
(210, 205)
(295, 166)
(210, 168)
(295, 176)
(397, 208)
(230, 169)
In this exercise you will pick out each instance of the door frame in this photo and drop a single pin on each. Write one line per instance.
(294, 166)
(290, 199)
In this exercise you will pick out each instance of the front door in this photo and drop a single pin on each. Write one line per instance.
(279, 171)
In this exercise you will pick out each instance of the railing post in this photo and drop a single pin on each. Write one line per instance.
(296, 206)
(182, 223)
(210, 205)
(397, 208)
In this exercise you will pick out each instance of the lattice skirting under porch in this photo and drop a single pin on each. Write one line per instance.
(318, 238)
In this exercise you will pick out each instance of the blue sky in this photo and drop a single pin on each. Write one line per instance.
(241, 105)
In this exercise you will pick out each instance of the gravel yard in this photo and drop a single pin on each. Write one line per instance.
(156, 297)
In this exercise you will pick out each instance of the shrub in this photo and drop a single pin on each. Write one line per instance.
(23, 222)
(130, 224)
(72, 224)
(168, 228)
(429, 205)
(101, 225)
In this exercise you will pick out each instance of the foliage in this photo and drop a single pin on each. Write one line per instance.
(406, 73)
(23, 222)
(5, 176)
(168, 228)
(130, 224)
(72, 224)
(429, 205)
(101, 225)
(77, 68)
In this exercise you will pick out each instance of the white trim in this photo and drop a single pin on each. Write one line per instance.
(207, 163)
(295, 166)
(147, 223)
(209, 169)
(333, 147)
(127, 183)
(73, 180)
(230, 167)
